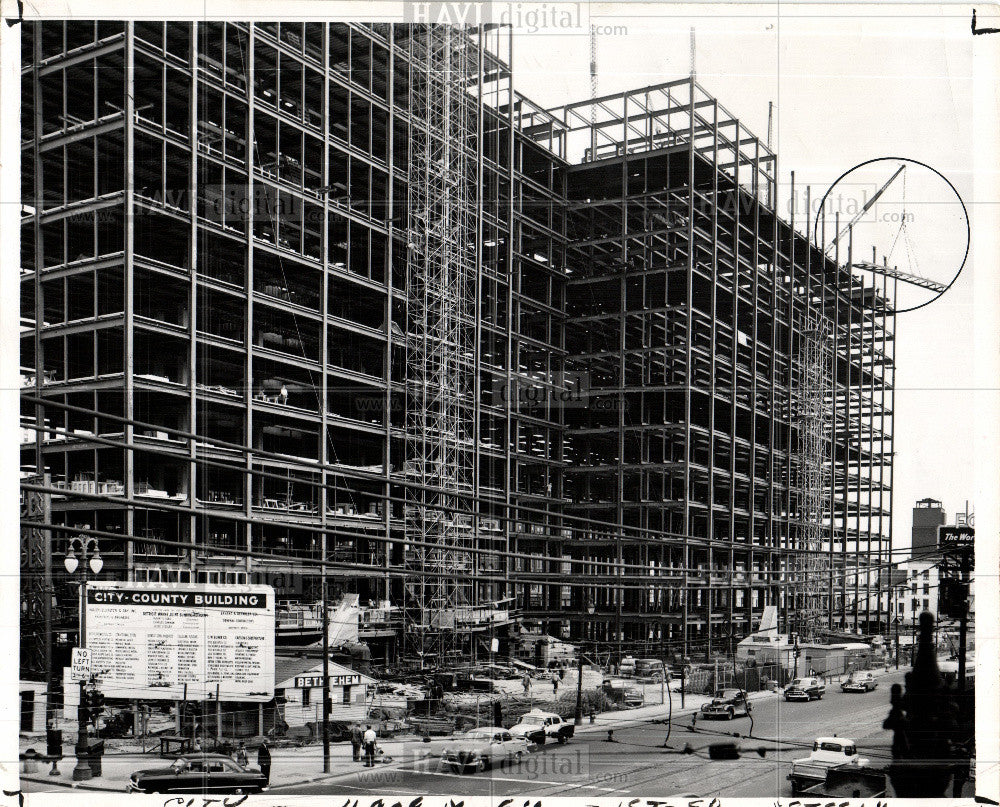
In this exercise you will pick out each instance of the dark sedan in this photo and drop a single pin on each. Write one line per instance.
(727, 703)
(198, 773)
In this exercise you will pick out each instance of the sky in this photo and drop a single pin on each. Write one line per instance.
(895, 82)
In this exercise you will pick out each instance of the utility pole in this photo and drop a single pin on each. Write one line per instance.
(963, 623)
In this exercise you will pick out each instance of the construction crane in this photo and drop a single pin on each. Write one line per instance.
(867, 206)
(884, 268)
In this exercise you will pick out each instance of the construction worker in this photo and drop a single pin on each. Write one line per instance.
(357, 738)
(264, 760)
(370, 738)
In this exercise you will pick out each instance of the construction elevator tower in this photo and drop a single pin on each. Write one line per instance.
(441, 341)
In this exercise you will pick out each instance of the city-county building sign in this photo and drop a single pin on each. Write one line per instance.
(165, 641)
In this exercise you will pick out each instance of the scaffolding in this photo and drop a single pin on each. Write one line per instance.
(813, 401)
(441, 343)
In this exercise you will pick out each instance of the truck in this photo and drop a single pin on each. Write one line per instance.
(827, 753)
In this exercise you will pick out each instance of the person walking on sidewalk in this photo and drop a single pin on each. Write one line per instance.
(526, 684)
(370, 739)
(241, 755)
(357, 736)
(555, 686)
(264, 761)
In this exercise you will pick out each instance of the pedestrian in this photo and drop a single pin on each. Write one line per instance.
(370, 738)
(357, 736)
(284, 394)
(264, 760)
(241, 755)
(562, 673)
(497, 714)
(526, 683)
(555, 686)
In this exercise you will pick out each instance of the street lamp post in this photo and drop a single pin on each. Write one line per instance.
(578, 714)
(95, 563)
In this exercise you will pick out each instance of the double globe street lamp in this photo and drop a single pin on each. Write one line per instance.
(94, 563)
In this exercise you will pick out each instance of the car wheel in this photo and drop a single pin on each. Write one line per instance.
(796, 788)
(749, 708)
(518, 757)
(562, 739)
(731, 713)
(481, 765)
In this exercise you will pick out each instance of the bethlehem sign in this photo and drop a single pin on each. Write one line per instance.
(169, 642)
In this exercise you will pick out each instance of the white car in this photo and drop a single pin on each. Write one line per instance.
(537, 726)
(483, 748)
(828, 752)
(859, 682)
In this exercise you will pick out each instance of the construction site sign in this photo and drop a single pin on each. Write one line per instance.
(182, 642)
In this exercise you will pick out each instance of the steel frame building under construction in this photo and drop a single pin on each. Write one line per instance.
(304, 297)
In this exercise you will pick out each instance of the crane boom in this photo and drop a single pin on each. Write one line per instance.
(867, 206)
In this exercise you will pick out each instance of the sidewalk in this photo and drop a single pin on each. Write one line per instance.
(304, 765)
(289, 766)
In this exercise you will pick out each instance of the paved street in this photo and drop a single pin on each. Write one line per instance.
(637, 762)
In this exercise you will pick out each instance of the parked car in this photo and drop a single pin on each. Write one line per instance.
(728, 703)
(860, 682)
(198, 773)
(634, 698)
(537, 726)
(828, 752)
(483, 748)
(651, 670)
(805, 689)
(626, 668)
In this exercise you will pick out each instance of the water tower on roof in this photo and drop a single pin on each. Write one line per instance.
(928, 515)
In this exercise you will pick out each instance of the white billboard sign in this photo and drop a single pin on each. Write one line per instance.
(171, 642)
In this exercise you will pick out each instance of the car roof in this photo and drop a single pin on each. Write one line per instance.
(539, 713)
(203, 757)
(841, 740)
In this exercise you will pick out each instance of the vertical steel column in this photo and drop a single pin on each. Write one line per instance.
(617, 594)
(193, 139)
(128, 273)
(713, 347)
(734, 370)
(324, 439)
(251, 162)
(395, 207)
(688, 380)
(755, 347)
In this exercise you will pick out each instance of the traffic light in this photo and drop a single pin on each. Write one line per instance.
(94, 705)
(953, 597)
